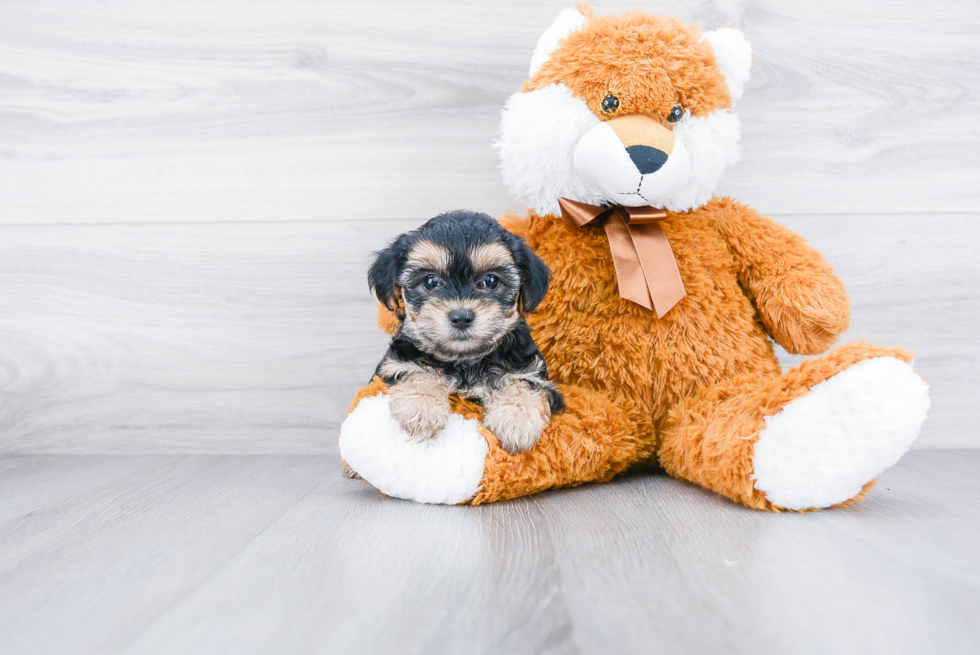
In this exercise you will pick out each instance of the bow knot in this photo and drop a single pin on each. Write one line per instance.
(646, 270)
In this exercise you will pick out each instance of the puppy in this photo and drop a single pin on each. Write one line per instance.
(460, 285)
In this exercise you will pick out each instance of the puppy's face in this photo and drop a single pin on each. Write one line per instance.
(459, 304)
(462, 282)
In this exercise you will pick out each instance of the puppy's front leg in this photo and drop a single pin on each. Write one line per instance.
(517, 414)
(420, 404)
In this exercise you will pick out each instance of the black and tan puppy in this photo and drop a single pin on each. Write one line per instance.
(460, 285)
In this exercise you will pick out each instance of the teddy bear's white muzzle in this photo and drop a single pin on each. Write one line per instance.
(630, 174)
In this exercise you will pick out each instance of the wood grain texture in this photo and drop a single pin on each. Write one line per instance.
(218, 554)
(189, 193)
(208, 338)
(152, 111)
(254, 337)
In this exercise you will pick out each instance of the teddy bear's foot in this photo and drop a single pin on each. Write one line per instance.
(814, 437)
(591, 441)
(824, 447)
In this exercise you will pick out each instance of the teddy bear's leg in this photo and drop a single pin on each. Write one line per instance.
(814, 437)
(593, 440)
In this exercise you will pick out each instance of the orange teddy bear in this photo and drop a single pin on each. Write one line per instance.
(663, 298)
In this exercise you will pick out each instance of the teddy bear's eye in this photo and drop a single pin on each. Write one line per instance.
(676, 114)
(609, 104)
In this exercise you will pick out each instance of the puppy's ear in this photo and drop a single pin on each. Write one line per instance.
(534, 273)
(384, 272)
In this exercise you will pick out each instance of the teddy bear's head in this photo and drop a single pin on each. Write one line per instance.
(632, 110)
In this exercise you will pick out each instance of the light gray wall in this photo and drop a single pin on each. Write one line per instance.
(189, 194)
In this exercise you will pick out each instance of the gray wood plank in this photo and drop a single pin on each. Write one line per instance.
(113, 558)
(257, 554)
(229, 111)
(27, 483)
(254, 337)
(720, 580)
(387, 577)
(222, 338)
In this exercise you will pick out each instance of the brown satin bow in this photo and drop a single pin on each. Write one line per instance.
(646, 270)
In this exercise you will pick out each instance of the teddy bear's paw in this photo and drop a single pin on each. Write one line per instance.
(446, 469)
(822, 448)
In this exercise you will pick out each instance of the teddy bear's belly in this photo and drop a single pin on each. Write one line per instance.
(593, 338)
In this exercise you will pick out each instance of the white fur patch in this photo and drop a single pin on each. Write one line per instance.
(822, 448)
(712, 144)
(445, 470)
(734, 55)
(540, 131)
(602, 161)
(567, 22)
(536, 144)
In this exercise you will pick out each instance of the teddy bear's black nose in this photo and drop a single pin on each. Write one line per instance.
(461, 318)
(647, 159)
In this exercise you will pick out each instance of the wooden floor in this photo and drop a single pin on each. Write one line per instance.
(278, 553)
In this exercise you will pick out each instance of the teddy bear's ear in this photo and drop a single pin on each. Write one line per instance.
(567, 22)
(734, 55)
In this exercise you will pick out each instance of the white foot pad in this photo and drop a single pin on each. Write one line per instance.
(446, 469)
(822, 448)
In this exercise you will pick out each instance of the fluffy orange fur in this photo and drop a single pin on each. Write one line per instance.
(591, 442)
(690, 391)
(593, 338)
(649, 62)
(708, 439)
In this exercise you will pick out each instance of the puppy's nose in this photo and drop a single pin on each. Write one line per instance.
(647, 159)
(461, 318)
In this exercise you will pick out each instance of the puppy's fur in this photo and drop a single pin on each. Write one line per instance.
(460, 285)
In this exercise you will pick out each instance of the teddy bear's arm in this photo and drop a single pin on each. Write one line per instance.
(802, 304)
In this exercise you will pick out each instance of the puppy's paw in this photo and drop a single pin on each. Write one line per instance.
(421, 419)
(517, 415)
(420, 404)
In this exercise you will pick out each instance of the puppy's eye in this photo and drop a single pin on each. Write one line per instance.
(431, 282)
(676, 114)
(609, 104)
(489, 282)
